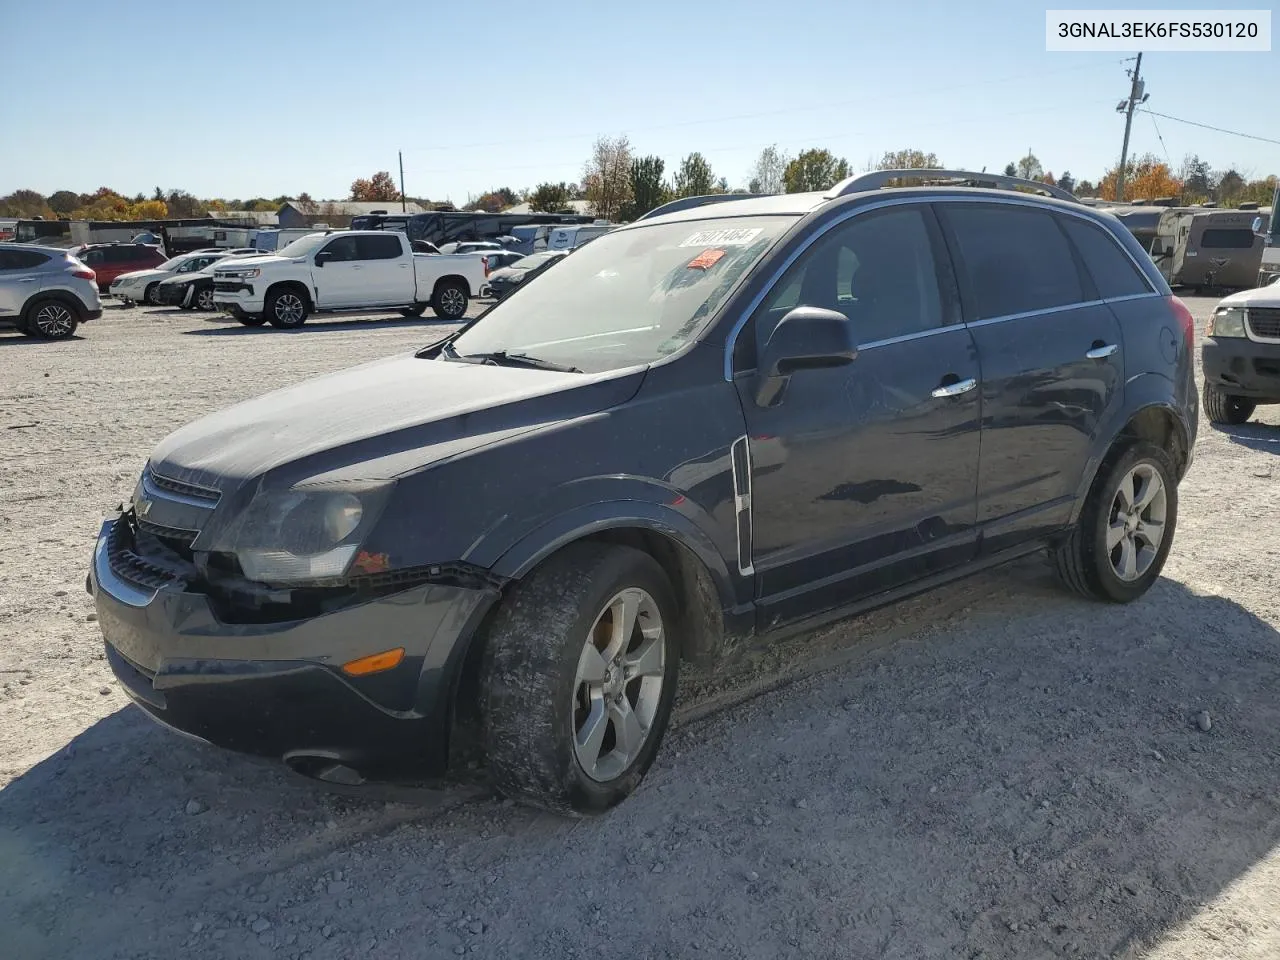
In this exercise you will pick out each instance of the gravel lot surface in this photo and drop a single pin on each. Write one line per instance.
(994, 770)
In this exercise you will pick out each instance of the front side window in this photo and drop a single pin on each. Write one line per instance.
(343, 249)
(878, 269)
(1012, 259)
(634, 296)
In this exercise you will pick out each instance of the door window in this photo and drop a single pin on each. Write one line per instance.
(21, 259)
(343, 249)
(1012, 260)
(1111, 269)
(386, 247)
(877, 269)
(93, 258)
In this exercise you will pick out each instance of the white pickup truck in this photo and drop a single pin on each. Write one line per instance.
(346, 270)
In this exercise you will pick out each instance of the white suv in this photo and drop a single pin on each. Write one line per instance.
(46, 292)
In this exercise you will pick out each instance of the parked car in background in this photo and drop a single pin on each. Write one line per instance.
(45, 291)
(1241, 354)
(193, 289)
(471, 246)
(505, 279)
(140, 286)
(111, 260)
(347, 270)
(879, 391)
(570, 238)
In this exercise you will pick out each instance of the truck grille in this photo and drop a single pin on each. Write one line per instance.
(1264, 322)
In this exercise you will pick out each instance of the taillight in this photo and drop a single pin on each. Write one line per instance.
(85, 274)
(1185, 318)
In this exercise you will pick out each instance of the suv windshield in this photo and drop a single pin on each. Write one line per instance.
(303, 246)
(632, 296)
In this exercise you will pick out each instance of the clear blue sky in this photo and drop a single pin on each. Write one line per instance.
(268, 97)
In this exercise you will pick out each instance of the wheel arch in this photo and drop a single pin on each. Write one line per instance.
(298, 285)
(64, 297)
(452, 278)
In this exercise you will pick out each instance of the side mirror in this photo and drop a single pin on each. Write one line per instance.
(1257, 227)
(807, 338)
(323, 257)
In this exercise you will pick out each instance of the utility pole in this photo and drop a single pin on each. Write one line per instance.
(403, 207)
(1126, 106)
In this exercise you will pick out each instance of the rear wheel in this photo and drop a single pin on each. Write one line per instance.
(1221, 407)
(578, 678)
(1119, 545)
(50, 320)
(450, 300)
(286, 308)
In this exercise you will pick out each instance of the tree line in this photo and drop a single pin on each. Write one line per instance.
(619, 185)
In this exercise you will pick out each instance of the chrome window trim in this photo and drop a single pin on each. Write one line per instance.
(755, 302)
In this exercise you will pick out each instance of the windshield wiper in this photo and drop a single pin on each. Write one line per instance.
(500, 358)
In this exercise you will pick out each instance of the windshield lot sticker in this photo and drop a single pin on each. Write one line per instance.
(705, 260)
(723, 238)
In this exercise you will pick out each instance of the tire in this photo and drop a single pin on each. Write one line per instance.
(450, 300)
(203, 299)
(50, 319)
(535, 702)
(1085, 562)
(151, 294)
(287, 308)
(417, 310)
(1221, 407)
(252, 319)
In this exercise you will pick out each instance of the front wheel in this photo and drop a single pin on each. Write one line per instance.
(1119, 545)
(1221, 407)
(578, 678)
(204, 299)
(450, 300)
(286, 309)
(152, 294)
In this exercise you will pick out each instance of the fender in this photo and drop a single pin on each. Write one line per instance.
(1143, 392)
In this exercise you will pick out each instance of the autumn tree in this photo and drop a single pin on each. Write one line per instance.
(606, 178)
(648, 189)
(1029, 167)
(1146, 177)
(64, 201)
(908, 159)
(494, 201)
(1085, 188)
(550, 198)
(814, 170)
(694, 178)
(25, 203)
(766, 175)
(379, 187)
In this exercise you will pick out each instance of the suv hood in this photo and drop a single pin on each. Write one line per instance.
(1268, 296)
(381, 419)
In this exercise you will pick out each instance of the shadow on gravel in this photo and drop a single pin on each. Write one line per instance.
(993, 770)
(324, 326)
(1255, 436)
(21, 339)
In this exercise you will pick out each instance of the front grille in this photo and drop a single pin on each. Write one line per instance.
(182, 487)
(160, 531)
(1264, 322)
(127, 563)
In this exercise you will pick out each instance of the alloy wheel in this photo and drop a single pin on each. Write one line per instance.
(453, 302)
(1137, 522)
(618, 684)
(289, 309)
(54, 320)
(204, 299)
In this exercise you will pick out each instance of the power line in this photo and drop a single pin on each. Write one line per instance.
(1206, 126)
(1163, 145)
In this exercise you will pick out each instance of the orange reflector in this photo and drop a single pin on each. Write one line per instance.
(374, 663)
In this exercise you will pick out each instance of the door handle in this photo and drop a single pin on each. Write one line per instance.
(1100, 350)
(26, 279)
(955, 388)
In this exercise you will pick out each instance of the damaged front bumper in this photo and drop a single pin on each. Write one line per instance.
(278, 689)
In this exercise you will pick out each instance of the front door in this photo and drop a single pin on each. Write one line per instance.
(1052, 360)
(340, 282)
(863, 477)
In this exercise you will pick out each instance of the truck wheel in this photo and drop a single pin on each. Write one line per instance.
(450, 300)
(252, 319)
(417, 310)
(1220, 407)
(152, 294)
(578, 678)
(1118, 547)
(286, 309)
(50, 320)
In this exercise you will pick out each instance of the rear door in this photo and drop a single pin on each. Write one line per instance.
(340, 282)
(1052, 362)
(388, 269)
(19, 279)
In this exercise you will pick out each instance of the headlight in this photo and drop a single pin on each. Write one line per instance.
(247, 274)
(307, 533)
(1226, 322)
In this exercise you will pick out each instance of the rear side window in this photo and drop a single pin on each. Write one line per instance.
(1223, 238)
(386, 247)
(21, 259)
(1012, 260)
(1113, 272)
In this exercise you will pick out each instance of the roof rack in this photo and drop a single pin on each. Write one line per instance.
(877, 179)
(686, 203)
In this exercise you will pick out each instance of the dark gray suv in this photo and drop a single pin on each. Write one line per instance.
(728, 419)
